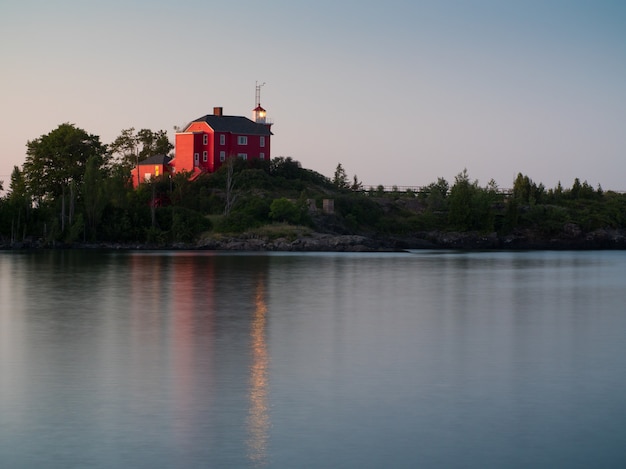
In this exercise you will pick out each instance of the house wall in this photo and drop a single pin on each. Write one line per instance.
(187, 145)
(192, 141)
(200, 129)
(252, 149)
(148, 172)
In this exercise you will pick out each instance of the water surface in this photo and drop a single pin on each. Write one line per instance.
(424, 359)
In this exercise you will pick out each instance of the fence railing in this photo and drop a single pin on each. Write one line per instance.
(414, 189)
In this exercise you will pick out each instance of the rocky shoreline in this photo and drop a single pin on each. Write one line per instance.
(571, 238)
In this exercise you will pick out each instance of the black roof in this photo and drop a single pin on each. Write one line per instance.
(156, 159)
(234, 124)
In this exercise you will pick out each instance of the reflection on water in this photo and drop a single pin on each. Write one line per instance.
(178, 359)
(258, 417)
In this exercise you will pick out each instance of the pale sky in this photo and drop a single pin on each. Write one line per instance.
(400, 92)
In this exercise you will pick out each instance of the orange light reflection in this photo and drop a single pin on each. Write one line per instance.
(258, 415)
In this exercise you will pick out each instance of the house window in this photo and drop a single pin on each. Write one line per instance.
(147, 177)
(243, 156)
(222, 155)
(205, 139)
(261, 156)
(222, 139)
(196, 158)
(205, 156)
(242, 140)
(262, 141)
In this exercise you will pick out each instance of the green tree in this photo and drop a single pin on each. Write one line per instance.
(470, 206)
(521, 188)
(56, 161)
(18, 203)
(576, 189)
(284, 210)
(153, 143)
(340, 180)
(437, 194)
(460, 200)
(17, 187)
(286, 167)
(94, 194)
(356, 184)
(131, 147)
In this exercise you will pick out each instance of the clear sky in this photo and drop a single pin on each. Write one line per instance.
(400, 92)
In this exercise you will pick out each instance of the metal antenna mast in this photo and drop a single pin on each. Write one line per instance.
(257, 96)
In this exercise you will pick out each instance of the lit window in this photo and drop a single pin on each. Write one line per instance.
(222, 139)
(147, 177)
(242, 140)
(261, 156)
(222, 155)
(262, 141)
(243, 156)
(205, 139)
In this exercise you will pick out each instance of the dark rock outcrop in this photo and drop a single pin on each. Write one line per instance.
(571, 237)
(315, 242)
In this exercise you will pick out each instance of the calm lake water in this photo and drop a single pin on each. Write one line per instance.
(422, 359)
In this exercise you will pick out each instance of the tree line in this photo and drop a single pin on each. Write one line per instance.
(73, 188)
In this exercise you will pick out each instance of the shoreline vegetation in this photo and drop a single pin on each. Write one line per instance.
(82, 197)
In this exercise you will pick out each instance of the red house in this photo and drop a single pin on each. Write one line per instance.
(207, 142)
(152, 167)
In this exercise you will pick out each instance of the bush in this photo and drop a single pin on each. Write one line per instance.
(283, 210)
(236, 222)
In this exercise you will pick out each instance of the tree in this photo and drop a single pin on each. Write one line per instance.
(283, 210)
(522, 188)
(436, 194)
(129, 147)
(231, 196)
(470, 206)
(153, 143)
(56, 161)
(340, 180)
(460, 200)
(18, 202)
(286, 167)
(94, 194)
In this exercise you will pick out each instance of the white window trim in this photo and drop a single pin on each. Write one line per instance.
(222, 139)
(205, 139)
(243, 156)
(222, 156)
(262, 141)
(261, 156)
(196, 158)
(242, 140)
(205, 156)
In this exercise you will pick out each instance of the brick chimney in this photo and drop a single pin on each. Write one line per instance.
(217, 111)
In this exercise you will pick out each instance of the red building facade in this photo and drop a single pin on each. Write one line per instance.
(153, 167)
(207, 142)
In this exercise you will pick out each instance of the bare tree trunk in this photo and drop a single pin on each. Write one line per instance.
(63, 210)
(230, 185)
(71, 219)
(153, 205)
